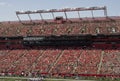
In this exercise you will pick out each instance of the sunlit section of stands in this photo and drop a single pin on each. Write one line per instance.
(72, 61)
(111, 62)
(96, 27)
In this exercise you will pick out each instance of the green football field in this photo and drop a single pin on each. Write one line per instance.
(55, 79)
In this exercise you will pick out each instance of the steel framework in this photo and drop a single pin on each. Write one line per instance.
(64, 10)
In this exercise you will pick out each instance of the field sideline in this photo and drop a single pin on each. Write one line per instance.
(50, 79)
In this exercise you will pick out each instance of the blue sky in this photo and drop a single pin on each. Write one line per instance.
(8, 7)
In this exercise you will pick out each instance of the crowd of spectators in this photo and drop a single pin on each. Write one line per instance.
(67, 60)
(19, 29)
(63, 60)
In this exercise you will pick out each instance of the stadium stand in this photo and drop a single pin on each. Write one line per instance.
(61, 60)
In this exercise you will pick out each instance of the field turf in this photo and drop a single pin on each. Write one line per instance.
(51, 79)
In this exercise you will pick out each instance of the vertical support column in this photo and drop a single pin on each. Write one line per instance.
(30, 17)
(79, 15)
(65, 15)
(105, 12)
(41, 16)
(18, 18)
(92, 13)
(53, 15)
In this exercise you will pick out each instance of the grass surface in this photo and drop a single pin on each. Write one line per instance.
(49, 79)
